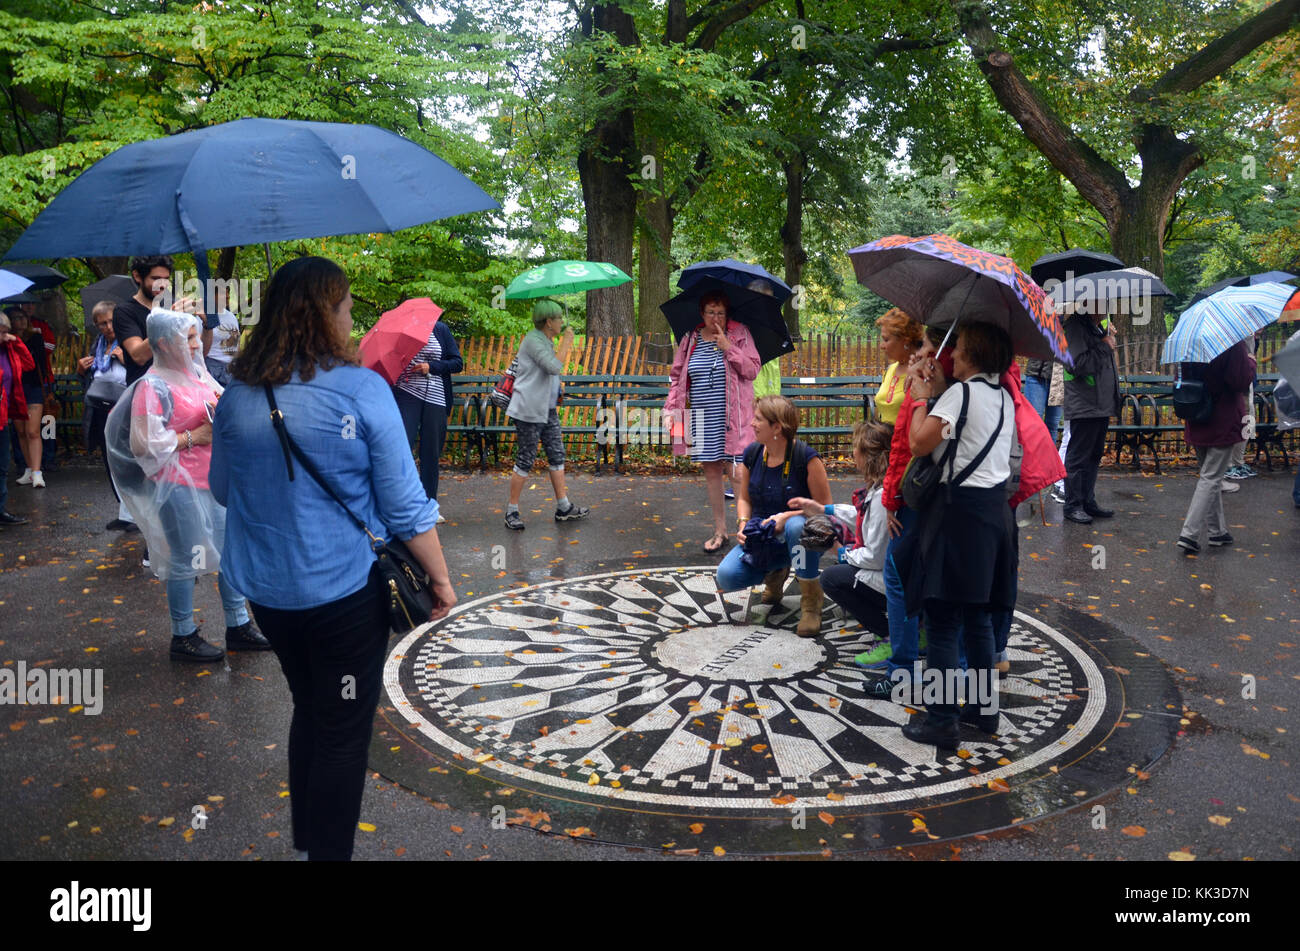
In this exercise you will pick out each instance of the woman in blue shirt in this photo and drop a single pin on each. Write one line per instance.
(305, 566)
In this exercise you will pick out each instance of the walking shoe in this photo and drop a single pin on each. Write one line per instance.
(1096, 511)
(1189, 545)
(246, 637)
(1218, 541)
(514, 522)
(1247, 471)
(38, 481)
(1058, 496)
(145, 563)
(1229, 487)
(25, 478)
(875, 659)
(8, 518)
(923, 730)
(441, 519)
(118, 525)
(728, 493)
(572, 513)
(1234, 472)
(196, 648)
(879, 688)
(1080, 516)
(970, 714)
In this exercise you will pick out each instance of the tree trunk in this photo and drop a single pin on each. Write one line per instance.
(606, 164)
(103, 267)
(654, 252)
(792, 235)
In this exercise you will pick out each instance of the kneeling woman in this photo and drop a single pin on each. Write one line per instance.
(775, 470)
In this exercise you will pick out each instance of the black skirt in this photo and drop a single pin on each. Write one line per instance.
(961, 550)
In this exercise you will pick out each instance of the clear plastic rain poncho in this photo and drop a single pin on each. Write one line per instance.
(163, 483)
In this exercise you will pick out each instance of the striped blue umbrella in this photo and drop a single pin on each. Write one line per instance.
(1208, 328)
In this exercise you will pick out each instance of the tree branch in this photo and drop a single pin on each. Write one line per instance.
(1221, 54)
(718, 23)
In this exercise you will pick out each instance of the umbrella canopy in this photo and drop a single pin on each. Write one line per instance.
(1075, 261)
(397, 336)
(1107, 287)
(247, 182)
(1287, 361)
(1291, 309)
(12, 284)
(937, 280)
(565, 277)
(759, 312)
(1207, 329)
(731, 271)
(43, 278)
(1242, 280)
(116, 287)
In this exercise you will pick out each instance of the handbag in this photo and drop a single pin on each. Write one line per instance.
(505, 387)
(406, 584)
(104, 390)
(923, 476)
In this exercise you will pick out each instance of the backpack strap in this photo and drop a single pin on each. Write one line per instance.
(975, 463)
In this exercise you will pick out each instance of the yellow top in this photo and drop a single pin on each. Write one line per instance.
(889, 398)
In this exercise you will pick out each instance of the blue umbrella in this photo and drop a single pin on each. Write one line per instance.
(1245, 280)
(757, 311)
(731, 271)
(1207, 329)
(11, 284)
(248, 182)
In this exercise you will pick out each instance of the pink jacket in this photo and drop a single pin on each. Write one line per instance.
(742, 366)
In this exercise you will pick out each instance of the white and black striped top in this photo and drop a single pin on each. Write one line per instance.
(428, 388)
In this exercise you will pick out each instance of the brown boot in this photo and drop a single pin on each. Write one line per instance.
(810, 606)
(775, 581)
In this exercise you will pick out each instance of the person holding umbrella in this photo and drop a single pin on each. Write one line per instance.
(533, 410)
(710, 401)
(1091, 399)
(423, 394)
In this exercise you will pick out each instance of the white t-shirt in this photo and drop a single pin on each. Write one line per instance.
(225, 338)
(981, 419)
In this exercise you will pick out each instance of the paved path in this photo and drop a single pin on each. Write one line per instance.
(173, 736)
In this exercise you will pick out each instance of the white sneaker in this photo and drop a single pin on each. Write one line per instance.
(440, 520)
(38, 481)
(25, 478)
(1230, 487)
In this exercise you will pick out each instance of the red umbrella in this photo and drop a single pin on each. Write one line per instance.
(398, 335)
(1291, 309)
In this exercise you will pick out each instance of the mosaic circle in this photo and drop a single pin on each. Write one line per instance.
(637, 689)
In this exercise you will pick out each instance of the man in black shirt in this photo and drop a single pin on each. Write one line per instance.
(152, 275)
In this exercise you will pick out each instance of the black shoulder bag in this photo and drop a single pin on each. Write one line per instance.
(922, 479)
(407, 586)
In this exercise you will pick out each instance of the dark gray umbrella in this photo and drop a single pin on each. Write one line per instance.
(1075, 261)
(116, 287)
(43, 278)
(1242, 280)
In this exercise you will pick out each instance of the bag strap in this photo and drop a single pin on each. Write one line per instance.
(292, 451)
(975, 463)
(950, 453)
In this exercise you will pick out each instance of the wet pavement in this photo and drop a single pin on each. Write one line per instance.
(1179, 738)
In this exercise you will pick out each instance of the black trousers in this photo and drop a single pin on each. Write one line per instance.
(1082, 460)
(333, 658)
(428, 423)
(95, 437)
(866, 604)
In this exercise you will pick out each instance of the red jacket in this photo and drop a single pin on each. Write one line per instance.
(21, 358)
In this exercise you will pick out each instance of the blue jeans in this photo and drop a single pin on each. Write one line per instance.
(734, 574)
(945, 623)
(182, 524)
(904, 636)
(1036, 394)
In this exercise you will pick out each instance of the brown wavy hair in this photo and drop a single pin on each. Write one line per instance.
(296, 330)
(873, 440)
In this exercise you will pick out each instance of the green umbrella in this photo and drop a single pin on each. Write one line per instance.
(565, 277)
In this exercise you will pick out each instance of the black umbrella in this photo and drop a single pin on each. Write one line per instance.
(1241, 280)
(117, 288)
(759, 312)
(43, 278)
(1075, 261)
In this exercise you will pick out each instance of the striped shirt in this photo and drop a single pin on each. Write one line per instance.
(708, 377)
(428, 388)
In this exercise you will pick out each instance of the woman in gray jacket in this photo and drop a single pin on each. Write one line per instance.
(532, 408)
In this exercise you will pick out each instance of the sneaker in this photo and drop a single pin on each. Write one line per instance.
(1247, 472)
(728, 493)
(572, 513)
(38, 481)
(1058, 496)
(1229, 487)
(514, 522)
(875, 659)
(1236, 472)
(145, 563)
(1218, 541)
(441, 519)
(1189, 545)
(879, 688)
(195, 648)
(25, 478)
(246, 637)
(928, 733)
